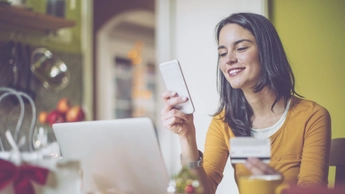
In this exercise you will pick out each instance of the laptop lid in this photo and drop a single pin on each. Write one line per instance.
(121, 155)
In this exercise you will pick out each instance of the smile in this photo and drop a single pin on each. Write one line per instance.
(235, 71)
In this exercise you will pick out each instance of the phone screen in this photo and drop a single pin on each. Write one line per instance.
(174, 81)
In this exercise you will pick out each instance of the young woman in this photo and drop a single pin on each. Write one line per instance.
(257, 98)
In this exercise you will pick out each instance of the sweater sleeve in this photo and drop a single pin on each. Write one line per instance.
(316, 149)
(216, 151)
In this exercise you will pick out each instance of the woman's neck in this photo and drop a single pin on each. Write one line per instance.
(261, 104)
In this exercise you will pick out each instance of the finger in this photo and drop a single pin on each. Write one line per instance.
(168, 94)
(174, 124)
(171, 102)
(253, 168)
(258, 167)
(174, 113)
(256, 171)
(166, 108)
(171, 94)
(171, 121)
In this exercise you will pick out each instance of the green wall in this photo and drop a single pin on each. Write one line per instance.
(36, 39)
(312, 32)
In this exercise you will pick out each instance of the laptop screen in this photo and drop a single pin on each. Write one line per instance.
(121, 155)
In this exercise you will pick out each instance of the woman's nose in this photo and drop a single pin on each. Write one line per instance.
(231, 59)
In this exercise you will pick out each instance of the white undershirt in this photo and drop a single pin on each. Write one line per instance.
(267, 132)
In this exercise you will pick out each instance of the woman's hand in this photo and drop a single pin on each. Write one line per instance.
(257, 167)
(173, 119)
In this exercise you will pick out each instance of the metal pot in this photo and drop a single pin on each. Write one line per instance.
(49, 69)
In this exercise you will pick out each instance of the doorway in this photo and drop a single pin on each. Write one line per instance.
(126, 76)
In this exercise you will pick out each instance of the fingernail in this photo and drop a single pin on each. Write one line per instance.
(173, 93)
(184, 98)
(246, 164)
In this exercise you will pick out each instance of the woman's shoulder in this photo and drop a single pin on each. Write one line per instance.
(219, 124)
(219, 118)
(311, 116)
(307, 106)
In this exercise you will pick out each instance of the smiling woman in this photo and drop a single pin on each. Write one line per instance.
(258, 99)
(238, 51)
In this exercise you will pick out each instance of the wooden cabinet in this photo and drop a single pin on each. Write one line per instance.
(28, 19)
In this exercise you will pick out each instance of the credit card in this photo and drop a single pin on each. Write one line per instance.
(243, 147)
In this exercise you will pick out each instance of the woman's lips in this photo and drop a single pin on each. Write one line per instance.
(235, 71)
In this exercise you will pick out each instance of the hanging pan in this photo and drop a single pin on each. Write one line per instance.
(49, 69)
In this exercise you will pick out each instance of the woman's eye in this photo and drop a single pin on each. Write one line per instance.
(242, 48)
(222, 54)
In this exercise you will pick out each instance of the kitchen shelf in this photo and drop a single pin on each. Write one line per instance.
(28, 19)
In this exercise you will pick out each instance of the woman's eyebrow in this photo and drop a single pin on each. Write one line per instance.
(236, 42)
(243, 40)
(221, 47)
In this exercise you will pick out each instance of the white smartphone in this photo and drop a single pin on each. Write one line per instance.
(174, 81)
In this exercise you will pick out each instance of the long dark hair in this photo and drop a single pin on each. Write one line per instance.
(275, 72)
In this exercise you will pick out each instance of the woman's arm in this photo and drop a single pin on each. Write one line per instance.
(316, 149)
(182, 124)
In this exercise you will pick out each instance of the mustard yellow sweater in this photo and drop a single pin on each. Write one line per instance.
(299, 149)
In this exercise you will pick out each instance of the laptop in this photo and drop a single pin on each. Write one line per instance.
(117, 156)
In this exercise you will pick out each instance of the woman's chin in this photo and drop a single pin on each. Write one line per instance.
(236, 86)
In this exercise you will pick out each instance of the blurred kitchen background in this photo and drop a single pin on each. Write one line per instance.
(112, 49)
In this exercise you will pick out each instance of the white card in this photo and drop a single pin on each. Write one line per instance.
(243, 147)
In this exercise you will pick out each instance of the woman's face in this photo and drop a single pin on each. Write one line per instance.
(239, 57)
